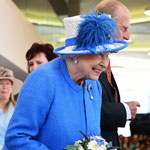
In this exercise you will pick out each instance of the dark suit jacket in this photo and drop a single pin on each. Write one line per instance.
(113, 115)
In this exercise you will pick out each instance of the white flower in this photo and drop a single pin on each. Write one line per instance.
(97, 143)
(78, 143)
(98, 137)
(92, 145)
(103, 147)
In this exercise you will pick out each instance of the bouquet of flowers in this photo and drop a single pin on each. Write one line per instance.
(92, 143)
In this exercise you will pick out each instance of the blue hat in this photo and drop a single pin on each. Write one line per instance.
(90, 34)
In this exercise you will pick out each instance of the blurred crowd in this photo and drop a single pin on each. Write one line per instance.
(135, 142)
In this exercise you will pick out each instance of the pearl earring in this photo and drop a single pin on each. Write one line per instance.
(75, 61)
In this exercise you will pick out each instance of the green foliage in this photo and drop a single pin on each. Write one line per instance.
(71, 147)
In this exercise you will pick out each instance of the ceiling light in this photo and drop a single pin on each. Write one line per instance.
(148, 53)
(147, 12)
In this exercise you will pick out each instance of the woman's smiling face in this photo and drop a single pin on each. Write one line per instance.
(92, 65)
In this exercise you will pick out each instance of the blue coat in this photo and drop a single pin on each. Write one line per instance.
(51, 109)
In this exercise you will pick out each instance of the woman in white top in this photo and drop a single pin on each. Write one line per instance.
(9, 86)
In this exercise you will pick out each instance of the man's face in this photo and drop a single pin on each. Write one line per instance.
(123, 22)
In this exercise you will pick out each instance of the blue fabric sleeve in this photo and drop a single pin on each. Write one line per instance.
(27, 120)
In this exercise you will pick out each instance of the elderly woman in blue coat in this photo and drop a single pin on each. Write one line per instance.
(63, 96)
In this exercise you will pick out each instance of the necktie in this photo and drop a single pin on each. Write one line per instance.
(108, 74)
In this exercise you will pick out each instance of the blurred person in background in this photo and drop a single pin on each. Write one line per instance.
(114, 114)
(39, 54)
(134, 142)
(9, 86)
(125, 143)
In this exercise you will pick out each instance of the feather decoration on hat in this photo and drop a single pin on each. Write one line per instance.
(96, 30)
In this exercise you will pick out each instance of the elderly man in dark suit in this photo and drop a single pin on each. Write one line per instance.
(114, 114)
